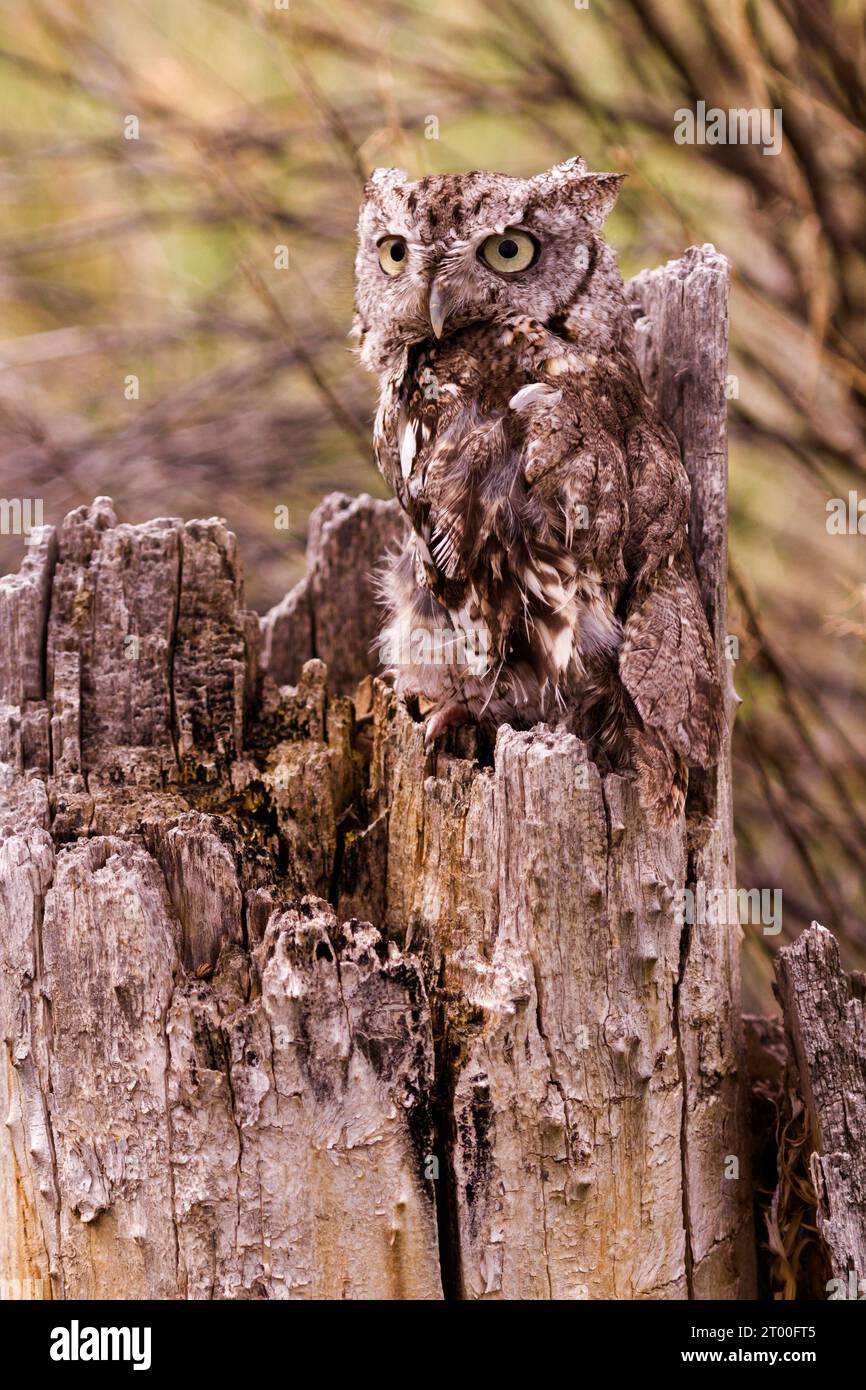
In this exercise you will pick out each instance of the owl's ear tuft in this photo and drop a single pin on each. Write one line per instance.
(597, 194)
(592, 195)
(567, 170)
(385, 181)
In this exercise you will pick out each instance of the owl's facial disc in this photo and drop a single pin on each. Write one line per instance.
(447, 251)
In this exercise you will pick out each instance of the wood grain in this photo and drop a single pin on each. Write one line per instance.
(523, 1080)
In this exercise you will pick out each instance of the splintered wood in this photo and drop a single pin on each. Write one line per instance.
(294, 1008)
(825, 1025)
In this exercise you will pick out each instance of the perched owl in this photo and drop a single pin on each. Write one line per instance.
(547, 573)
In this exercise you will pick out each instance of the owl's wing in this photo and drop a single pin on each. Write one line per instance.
(636, 537)
(667, 663)
(667, 660)
(576, 473)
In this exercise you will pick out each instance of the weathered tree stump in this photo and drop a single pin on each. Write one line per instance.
(522, 1081)
(825, 1029)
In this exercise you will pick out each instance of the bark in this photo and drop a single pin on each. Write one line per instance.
(221, 1081)
(681, 333)
(825, 1026)
(331, 613)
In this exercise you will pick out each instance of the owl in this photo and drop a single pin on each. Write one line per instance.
(546, 574)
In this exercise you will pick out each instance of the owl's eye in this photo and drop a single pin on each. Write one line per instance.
(392, 255)
(508, 251)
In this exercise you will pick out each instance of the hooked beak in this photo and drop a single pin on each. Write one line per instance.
(439, 306)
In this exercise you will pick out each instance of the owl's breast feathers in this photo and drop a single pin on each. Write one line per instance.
(548, 503)
(516, 492)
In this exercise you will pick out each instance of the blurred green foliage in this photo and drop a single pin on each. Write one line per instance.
(154, 257)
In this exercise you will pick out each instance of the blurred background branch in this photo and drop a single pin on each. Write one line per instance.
(158, 258)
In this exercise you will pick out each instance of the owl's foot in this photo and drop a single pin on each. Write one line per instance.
(449, 715)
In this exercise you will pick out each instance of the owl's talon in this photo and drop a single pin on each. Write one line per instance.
(448, 716)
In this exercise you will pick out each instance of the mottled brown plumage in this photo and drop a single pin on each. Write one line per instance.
(547, 574)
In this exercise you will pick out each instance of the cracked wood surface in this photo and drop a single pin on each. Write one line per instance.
(521, 1081)
(681, 338)
(825, 1025)
(213, 1088)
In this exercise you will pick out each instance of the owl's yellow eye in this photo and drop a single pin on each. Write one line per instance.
(392, 255)
(509, 251)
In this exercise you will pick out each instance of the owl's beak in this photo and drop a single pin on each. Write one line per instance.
(439, 306)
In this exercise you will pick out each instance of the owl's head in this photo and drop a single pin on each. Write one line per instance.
(454, 249)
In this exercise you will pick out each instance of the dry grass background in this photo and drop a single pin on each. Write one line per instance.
(156, 257)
